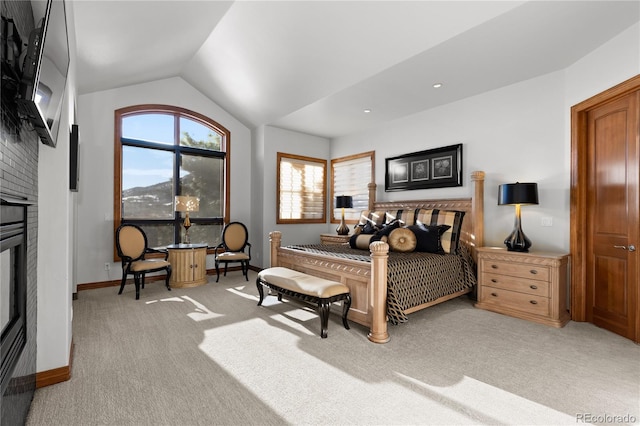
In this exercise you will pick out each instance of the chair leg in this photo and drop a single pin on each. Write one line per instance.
(136, 280)
(225, 268)
(168, 277)
(217, 270)
(124, 280)
(245, 269)
(142, 281)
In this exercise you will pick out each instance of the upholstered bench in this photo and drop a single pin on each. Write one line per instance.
(307, 288)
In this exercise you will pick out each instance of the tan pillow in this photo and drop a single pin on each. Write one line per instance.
(362, 241)
(402, 240)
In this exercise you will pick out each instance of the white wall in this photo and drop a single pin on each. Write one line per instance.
(511, 133)
(614, 62)
(516, 133)
(95, 195)
(56, 238)
(272, 141)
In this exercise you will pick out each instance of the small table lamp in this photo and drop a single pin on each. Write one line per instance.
(187, 204)
(517, 194)
(343, 202)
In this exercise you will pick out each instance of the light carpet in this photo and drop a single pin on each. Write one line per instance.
(209, 356)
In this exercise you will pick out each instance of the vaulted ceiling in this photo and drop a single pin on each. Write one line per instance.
(315, 66)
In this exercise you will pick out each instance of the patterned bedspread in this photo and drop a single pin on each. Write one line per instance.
(412, 278)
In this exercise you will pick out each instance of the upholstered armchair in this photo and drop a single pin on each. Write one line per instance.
(234, 247)
(132, 246)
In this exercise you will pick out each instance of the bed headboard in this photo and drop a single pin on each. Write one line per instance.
(473, 223)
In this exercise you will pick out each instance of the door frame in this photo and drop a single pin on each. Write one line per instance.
(578, 218)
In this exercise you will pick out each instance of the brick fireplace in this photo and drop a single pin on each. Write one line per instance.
(19, 187)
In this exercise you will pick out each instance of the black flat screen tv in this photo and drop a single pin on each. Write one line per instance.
(44, 73)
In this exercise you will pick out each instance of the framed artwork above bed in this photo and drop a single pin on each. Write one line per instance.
(433, 168)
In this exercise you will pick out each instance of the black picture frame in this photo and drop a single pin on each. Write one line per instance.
(433, 168)
(74, 165)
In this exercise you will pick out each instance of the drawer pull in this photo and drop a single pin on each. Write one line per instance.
(493, 280)
(494, 294)
(533, 287)
(533, 302)
(494, 266)
(533, 271)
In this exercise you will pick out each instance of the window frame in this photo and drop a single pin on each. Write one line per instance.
(177, 113)
(334, 161)
(320, 162)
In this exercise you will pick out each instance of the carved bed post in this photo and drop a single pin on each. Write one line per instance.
(477, 208)
(372, 194)
(275, 238)
(379, 254)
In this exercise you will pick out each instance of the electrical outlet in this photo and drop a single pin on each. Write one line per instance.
(107, 266)
(546, 221)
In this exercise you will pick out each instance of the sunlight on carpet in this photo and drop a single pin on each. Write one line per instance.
(477, 397)
(280, 376)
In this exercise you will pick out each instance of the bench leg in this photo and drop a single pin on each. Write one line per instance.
(260, 291)
(324, 318)
(345, 310)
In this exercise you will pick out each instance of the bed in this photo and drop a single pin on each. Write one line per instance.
(387, 286)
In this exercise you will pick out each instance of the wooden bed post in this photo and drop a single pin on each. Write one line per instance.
(372, 194)
(477, 207)
(275, 238)
(379, 254)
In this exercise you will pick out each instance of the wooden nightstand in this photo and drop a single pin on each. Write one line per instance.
(334, 238)
(530, 286)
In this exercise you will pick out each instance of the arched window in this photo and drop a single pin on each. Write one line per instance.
(161, 152)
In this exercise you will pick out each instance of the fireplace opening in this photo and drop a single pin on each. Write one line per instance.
(13, 284)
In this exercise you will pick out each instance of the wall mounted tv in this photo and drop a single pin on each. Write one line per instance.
(44, 74)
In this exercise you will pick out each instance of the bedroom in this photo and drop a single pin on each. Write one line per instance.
(527, 120)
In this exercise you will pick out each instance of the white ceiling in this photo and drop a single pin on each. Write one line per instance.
(314, 66)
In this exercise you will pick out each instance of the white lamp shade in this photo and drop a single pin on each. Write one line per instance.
(185, 203)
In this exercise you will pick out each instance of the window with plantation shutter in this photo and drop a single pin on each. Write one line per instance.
(351, 176)
(302, 191)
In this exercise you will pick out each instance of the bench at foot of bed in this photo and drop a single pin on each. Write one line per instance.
(307, 288)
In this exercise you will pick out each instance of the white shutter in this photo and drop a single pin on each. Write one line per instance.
(302, 189)
(351, 176)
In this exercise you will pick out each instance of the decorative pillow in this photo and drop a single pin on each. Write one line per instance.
(370, 228)
(406, 217)
(450, 238)
(429, 237)
(402, 240)
(362, 241)
(387, 228)
(376, 218)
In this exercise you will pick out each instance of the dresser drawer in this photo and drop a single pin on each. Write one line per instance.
(534, 272)
(523, 302)
(507, 282)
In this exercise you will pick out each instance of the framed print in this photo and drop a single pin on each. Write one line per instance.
(400, 173)
(433, 168)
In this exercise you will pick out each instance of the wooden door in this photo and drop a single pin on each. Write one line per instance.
(612, 216)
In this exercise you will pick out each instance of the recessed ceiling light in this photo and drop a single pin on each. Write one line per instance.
(367, 111)
(437, 85)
